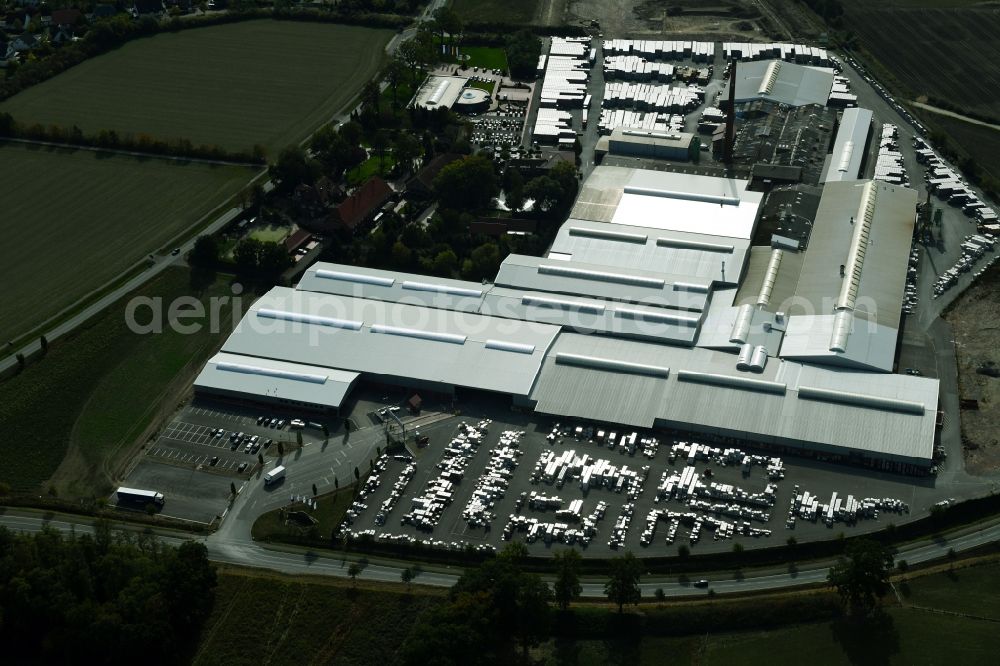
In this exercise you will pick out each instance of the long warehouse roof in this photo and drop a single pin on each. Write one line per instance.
(849, 146)
(393, 339)
(577, 278)
(686, 255)
(788, 403)
(856, 264)
(596, 315)
(382, 285)
(235, 373)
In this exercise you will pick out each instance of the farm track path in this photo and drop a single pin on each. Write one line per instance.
(951, 114)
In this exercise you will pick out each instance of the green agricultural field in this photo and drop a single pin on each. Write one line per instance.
(256, 82)
(264, 620)
(496, 11)
(980, 143)
(68, 415)
(907, 637)
(973, 590)
(75, 220)
(942, 49)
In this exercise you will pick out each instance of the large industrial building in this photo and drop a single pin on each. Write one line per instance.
(782, 82)
(850, 146)
(652, 309)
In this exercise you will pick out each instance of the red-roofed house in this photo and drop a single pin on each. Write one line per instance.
(61, 17)
(357, 210)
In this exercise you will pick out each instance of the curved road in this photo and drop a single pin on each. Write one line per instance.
(296, 562)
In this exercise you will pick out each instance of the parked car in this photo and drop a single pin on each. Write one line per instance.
(242, 467)
(215, 461)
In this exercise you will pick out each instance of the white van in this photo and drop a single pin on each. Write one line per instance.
(274, 475)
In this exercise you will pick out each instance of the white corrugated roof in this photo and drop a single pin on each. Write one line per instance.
(236, 373)
(397, 340)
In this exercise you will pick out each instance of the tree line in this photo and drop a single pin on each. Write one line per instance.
(110, 597)
(140, 143)
(498, 611)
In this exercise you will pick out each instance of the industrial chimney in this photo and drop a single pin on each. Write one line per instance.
(731, 115)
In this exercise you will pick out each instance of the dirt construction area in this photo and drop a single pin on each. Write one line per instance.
(975, 319)
(720, 19)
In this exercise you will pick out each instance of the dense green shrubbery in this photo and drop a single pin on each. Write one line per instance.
(100, 599)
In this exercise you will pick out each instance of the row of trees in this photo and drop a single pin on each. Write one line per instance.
(112, 140)
(107, 598)
(498, 609)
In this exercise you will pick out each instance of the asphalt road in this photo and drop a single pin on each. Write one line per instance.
(225, 550)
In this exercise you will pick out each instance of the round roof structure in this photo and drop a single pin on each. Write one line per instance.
(473, 97)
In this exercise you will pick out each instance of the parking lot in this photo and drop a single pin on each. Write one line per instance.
(207, 446)
(450, 529)
(189, 493)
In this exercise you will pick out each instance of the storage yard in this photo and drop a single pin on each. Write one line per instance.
(607, 489)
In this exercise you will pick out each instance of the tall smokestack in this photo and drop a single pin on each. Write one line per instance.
(731, 115)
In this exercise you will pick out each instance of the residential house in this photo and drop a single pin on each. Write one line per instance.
(423, 182)
(105, 11)
(357, 210)
(147, 8)
(66, 17)
(24, 43)
(318, 196)
(532, 167)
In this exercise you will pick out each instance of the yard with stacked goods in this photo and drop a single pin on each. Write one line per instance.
(77, 219)
(238, 85)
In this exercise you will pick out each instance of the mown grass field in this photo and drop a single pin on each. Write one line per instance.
(946, 49)
(74, 220)
(329, 512)
(496, 11)
(972, 590)
(255, 82)
(270, 620)
(70, 413)
(485, 56)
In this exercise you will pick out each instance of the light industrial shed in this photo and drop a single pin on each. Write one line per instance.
(562, 276)
(630, 142)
